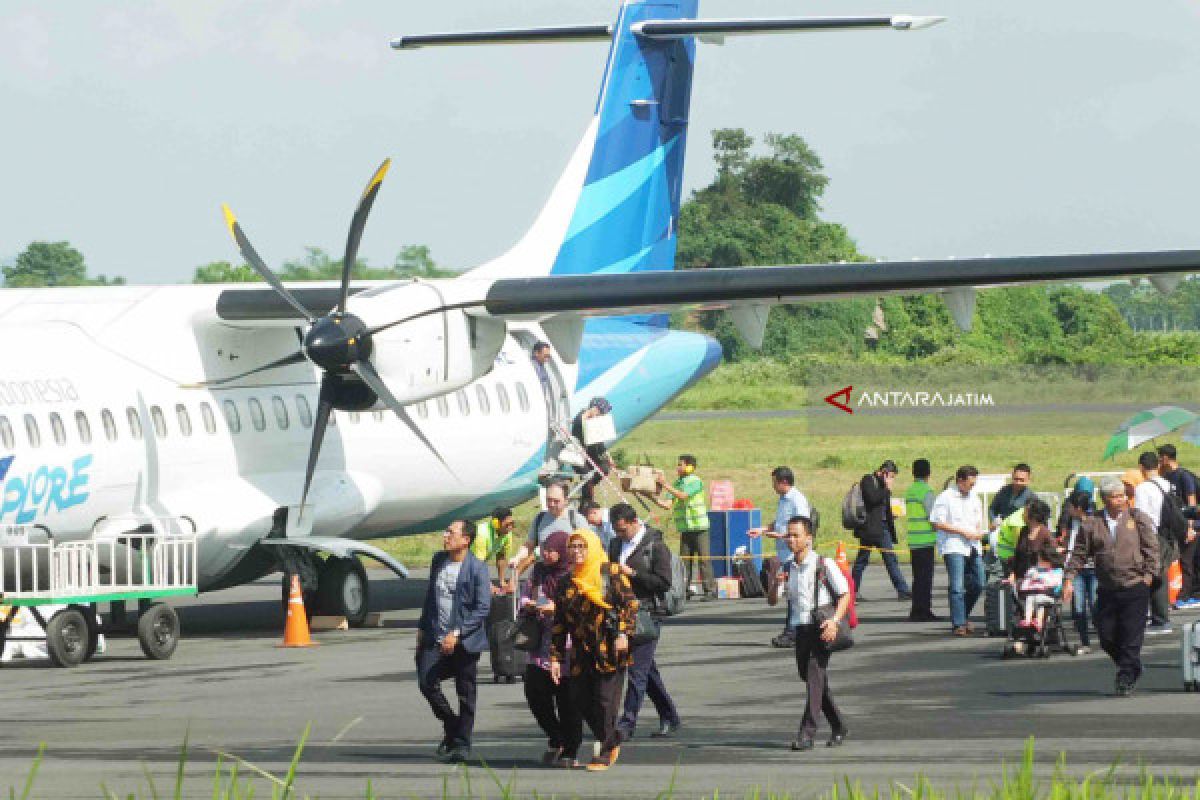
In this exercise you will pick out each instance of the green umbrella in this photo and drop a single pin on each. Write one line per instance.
(1146, 425)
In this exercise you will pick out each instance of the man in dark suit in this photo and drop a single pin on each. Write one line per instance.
(646, 561)
(878, 532)
(451, 635)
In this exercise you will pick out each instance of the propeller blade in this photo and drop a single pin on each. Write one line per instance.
(255, 260)
(356, 229)
(366, 371)
(286, 361)
(324, 407)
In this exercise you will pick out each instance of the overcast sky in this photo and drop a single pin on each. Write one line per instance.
(1016, 127)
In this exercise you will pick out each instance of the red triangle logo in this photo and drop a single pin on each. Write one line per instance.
(843, 404)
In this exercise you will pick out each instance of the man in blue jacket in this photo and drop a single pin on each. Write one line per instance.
(451, 635)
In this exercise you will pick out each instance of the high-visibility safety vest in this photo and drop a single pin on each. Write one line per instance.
(690, 514)
(487, 543)
(920, 532)
(1010, 531)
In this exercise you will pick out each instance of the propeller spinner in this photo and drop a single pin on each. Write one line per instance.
(338, 343)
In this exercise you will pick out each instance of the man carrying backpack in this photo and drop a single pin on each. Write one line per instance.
(646, 561)
(556, 517)
(878, 528)
(1154, 497)
(1185, 487)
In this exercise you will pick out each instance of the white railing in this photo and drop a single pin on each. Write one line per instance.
(126, 563)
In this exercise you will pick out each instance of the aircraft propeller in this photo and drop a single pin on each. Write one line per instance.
(339, 343)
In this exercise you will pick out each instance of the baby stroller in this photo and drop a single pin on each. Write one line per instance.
(1036, 641)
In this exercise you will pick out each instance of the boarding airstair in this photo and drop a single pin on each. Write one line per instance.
(49, 590)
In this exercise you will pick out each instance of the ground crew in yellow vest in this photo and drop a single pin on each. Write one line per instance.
(1007, 535)
(918, 502)
(493, 540)
(691, 520)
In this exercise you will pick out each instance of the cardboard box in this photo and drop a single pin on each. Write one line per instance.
(639, 479)
(599, 430)
(729, 588)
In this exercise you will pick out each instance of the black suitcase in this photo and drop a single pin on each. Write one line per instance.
(508, 663)
(769, 575)
(752, 585)
(998, 608)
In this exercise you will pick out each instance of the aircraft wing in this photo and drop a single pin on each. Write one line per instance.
(642, 292)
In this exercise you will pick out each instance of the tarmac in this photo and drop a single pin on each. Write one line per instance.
(917, 701)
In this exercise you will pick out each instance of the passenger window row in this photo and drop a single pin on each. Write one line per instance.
(233, 417)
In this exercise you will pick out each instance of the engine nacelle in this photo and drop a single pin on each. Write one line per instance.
(434, 354)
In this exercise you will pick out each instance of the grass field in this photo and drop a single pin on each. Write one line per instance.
(745, 450)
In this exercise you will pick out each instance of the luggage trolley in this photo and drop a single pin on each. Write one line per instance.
(61, 583)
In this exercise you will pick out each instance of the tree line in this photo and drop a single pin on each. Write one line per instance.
(763, 208)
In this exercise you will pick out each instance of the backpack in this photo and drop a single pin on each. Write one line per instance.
(1172, 524)
(576, 519)
(854, 512)
(671, 602)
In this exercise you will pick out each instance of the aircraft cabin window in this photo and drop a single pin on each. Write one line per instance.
(210, 420)
(56, 425)
(6, 434)
(305, 412)
(522, 397)
(502, 396)
(378, 415)
(110, 425)
(443, 407)
(355, 417)
(135, 423)
(232, 417)
(281, 415)
(31, 430)
(85, 427)
(485, 405)
(160, 422)
(464, 404)
(257, 417)
(185, 420)
(422, 409)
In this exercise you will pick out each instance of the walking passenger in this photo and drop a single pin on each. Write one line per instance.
(450, 637)
(1012, 497)
(599, 462)
(813, 583)
(691, 520)
(1183, 483)
(1149, 497)
(1124, 545)
(550, 702)
(1083, 609)
(556, 517)
(597, 611)
(957, 516)
(921, 541)
(493, 540)
(597, 519)
(792, 503)
(878, 531)
(644, 559)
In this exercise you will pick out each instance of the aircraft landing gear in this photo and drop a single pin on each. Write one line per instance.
(343, 590)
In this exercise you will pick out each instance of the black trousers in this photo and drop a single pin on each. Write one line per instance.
(922, 583)
(1187, 563)
(597, 697)
(552, 708)
(1121, 625)
(694, 550)
(645, 681)
(812, 661)
(432, 668)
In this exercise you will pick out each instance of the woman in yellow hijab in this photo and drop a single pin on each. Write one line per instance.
(597, 609)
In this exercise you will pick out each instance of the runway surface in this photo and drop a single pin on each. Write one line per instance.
(916, 700)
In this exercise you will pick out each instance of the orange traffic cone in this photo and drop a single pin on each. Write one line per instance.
(840, 557)
(295, 632)
(1174, 582)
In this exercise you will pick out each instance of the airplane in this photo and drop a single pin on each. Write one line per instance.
(290, 425)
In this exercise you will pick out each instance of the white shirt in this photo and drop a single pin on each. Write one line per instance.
(627, 548)
(800, 586)
(1148, 499)
(792, 503)
(1112, 526)
(954, 508)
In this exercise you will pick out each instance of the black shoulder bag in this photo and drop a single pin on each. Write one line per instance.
(844, 639)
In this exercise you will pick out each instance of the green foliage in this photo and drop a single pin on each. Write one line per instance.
(1146, 309)
(413, 261)
(52, 264)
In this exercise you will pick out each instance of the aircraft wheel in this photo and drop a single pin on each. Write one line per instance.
(158, 631)
(67, 638)
(344, 590)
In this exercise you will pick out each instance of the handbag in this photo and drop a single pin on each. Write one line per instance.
(844, 639)
(527, 635)
(646, 627)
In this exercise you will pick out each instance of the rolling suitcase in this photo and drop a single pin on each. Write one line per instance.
(752, 585)
(1191, 657)
(508, 663)
(998, 609)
